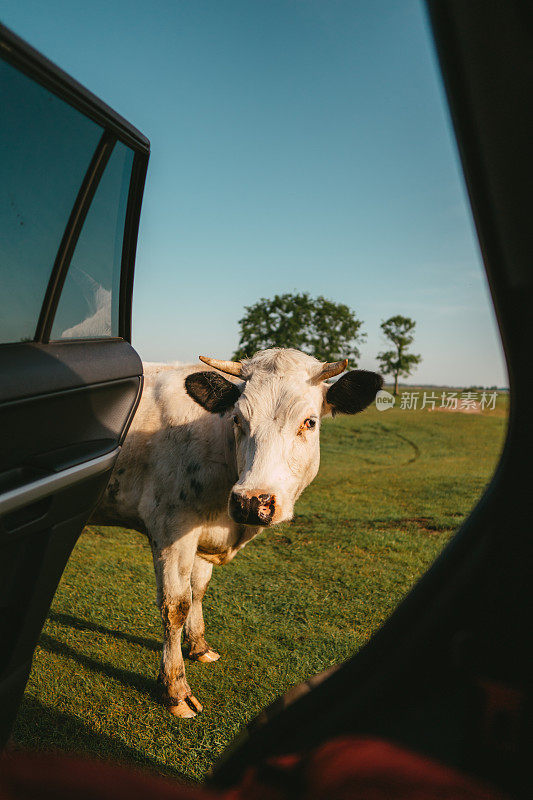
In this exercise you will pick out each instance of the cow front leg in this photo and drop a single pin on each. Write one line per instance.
(173, 567)
(194, 633)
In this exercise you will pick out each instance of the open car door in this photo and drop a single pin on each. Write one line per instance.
(72, 174)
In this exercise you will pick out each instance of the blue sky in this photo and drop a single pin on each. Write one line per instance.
(296, 145)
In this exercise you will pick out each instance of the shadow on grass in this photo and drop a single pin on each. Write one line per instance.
(134, 680)
(40, 728)
(85, 625)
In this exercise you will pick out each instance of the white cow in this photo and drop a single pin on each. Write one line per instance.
(207, 463)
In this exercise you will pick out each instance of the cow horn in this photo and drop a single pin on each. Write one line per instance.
(330, 369)
(229, 367)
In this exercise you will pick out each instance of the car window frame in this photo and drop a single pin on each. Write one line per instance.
(37, 67)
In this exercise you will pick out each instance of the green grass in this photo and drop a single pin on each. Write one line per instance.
(392, 488)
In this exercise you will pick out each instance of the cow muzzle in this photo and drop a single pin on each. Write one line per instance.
(248, 508)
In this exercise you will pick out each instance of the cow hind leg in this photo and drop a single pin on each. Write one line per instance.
(194, 632)
(173, 567)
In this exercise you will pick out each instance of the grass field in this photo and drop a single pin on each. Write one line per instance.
(392, 488)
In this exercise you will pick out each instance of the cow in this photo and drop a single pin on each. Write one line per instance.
(210, 461)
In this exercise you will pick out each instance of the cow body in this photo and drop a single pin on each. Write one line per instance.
(206, 464)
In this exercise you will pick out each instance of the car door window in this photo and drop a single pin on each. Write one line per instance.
(89, 303)
(46, 148)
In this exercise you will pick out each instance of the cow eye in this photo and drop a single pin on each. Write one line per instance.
(236, 420)
(308, 424)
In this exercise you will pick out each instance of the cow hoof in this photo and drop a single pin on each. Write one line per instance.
(207, 657)
(187, 708)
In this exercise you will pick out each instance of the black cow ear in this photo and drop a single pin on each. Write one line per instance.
(353, 392)
(212, 391)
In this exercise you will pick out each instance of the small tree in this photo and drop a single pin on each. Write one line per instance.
(324, 329)
(399, 331)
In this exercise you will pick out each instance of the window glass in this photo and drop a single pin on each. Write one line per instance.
(45, 149)
(89, 302)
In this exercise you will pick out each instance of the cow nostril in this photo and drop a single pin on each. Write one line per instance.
(264, 506)
(237, 500)
(252, 509)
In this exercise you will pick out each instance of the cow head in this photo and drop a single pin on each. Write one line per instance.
(275, 410)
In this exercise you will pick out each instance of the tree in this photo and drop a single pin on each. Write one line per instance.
(399, 331)
(335, 332)
(324, 329)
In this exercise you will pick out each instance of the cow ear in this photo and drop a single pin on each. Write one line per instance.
(212, 391)
(353, 392)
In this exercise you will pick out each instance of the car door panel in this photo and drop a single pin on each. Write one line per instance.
(66, 405)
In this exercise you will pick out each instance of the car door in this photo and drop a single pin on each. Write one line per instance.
(72, 174)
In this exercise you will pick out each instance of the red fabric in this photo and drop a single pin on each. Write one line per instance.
(344, 769)
(358, 769)
(28, 776)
